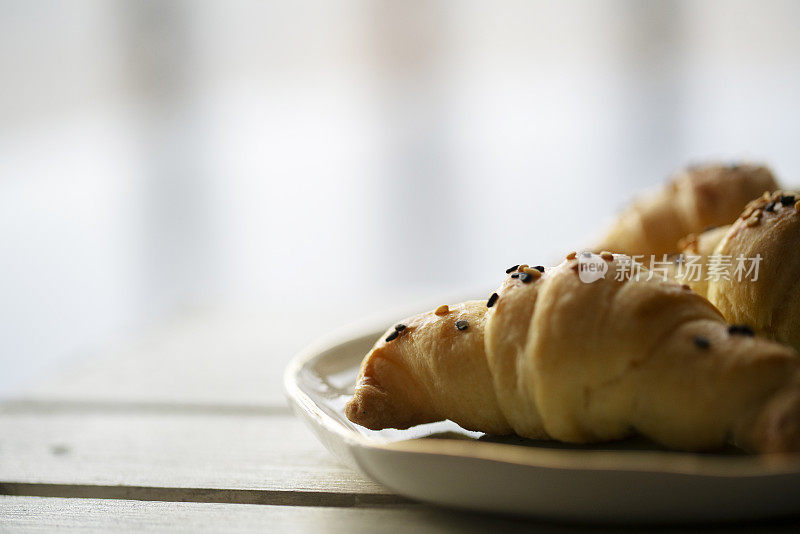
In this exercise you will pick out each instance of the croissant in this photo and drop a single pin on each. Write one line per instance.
(702, 248)
(550, 356)
(694, 199)
(768, 231)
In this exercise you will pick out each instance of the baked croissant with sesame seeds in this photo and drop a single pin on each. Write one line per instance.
(768, 300)
(557, 357)
(695, 198)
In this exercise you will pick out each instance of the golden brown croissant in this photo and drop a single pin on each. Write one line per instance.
(694, 199)
(552, 357)
(767, 232)
(698, 248)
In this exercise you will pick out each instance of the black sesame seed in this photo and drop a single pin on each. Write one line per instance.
(462, 324)
(740, 330)
(399, 327)
(787, 200)
(701, 342)
(539, 268)
(525, 277)
(769, 207)
(392, 336)
(492, 300)
(512, 269)
(515, 275)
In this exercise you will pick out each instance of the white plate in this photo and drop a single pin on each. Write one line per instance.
(441, 463)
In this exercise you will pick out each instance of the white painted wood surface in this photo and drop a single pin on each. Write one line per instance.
(228, 451)
(220, 357)
(212, 356)
(177, 430)
(40, 515)
(203, 356)
(185, 430)
(45, 515)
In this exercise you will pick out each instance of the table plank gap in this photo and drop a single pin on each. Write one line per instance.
(201, 495)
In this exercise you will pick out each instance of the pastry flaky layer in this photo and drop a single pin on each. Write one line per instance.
(768, 300)
(554, 357)
(694, 199)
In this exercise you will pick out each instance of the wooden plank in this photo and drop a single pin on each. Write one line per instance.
(193, 451)
(36, 514)
(207, 356)
(202, 356)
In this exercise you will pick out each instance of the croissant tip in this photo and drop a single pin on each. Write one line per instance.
(778, 428)
(357, 412)
(369, 405)
(368, 408)
(352, 409)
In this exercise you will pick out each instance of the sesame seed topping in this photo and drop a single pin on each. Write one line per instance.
(535, 273)
(525, 277)
(787, 200)
(572, 255)
(539, 268)
(607, 256)
(399, 327)
(515, 275)
(492, 300)
(701, 342)
(462, 324)
(740, 330)
(512, 269)
(444, 309)
(392, 336)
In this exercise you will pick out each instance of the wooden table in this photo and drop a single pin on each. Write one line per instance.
(187, 430)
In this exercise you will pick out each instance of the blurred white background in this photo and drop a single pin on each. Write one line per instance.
(345, 156)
